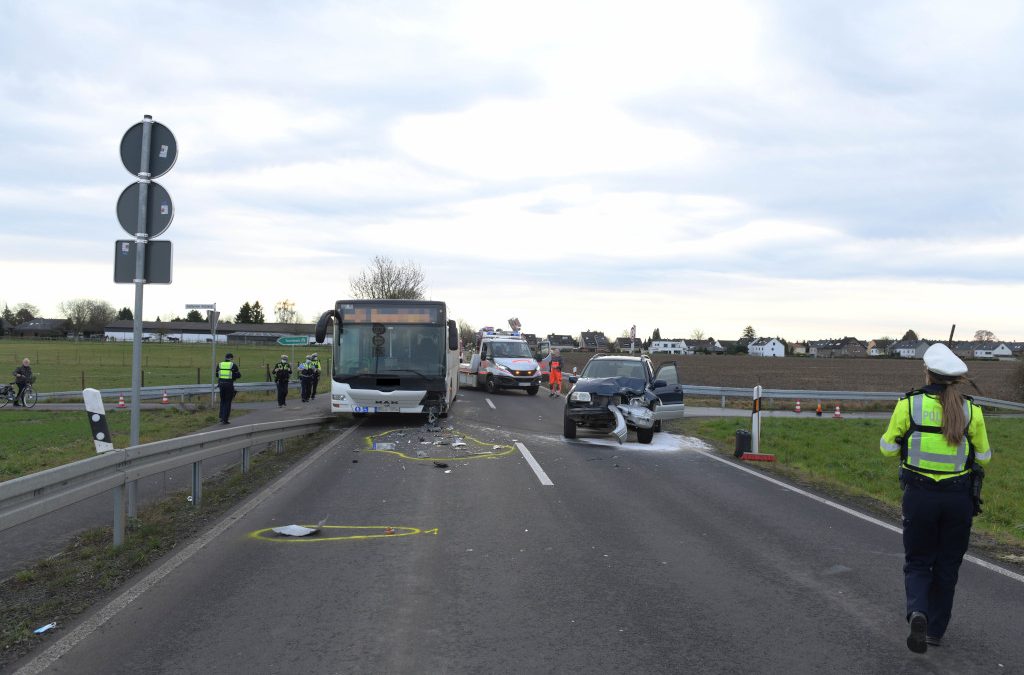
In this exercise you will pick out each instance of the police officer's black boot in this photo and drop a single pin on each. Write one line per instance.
(916, 641)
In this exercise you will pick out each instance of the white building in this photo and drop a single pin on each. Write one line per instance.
(669, 347)
(766, 347)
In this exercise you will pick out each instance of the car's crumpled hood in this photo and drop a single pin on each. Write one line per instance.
(610, 386)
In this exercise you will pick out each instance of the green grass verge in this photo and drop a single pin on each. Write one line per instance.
(34, 440)
(90, 569)
(842, 457)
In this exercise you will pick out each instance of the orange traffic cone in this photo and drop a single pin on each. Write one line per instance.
(797, 408)
(164, 399)
(837, 414)
(817, 411)
(120, 401)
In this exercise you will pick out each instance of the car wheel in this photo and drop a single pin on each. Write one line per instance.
(568, 427)
(532, 391)
(645, 435)
(490, 386)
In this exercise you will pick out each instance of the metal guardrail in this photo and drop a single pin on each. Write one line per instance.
(798, 394)
(34, 495)
(174, 390)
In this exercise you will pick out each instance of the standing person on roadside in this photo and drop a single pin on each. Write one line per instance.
(315, 360)
(282, 373)
(555, 371)
(306, 369)
(22, 377)
(940, 437)
(227, 373)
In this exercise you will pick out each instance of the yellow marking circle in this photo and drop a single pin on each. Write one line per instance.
(490, 454)
(363, 532)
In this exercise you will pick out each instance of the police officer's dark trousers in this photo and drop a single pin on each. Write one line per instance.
(282, 391)
(227, 392)
(937, 519)
(306, 384)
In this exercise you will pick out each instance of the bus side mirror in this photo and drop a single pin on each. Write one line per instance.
(453, 335)
(320, 333)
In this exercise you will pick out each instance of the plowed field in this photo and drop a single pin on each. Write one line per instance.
(996, 379)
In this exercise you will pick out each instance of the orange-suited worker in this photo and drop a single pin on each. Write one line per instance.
(555, 372)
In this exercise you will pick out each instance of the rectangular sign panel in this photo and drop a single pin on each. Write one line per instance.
(158, 262)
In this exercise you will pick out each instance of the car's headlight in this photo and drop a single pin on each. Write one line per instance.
(582, 396)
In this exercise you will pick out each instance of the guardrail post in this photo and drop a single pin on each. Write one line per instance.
(280, 445)
(245, 460)
(197, 483)
(118, 515)
(723, 400)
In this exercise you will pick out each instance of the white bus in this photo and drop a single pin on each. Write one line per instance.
(392, 356)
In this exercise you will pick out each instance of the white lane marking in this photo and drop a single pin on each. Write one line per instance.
(874, 521)
(490, 403)
(71, 640)
(543, 477)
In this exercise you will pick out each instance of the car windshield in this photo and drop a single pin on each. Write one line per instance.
(511, 350)
(614, 368)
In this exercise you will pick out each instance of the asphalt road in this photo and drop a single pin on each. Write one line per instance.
(593, 557)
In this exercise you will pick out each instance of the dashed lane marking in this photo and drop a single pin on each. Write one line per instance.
(534, 464)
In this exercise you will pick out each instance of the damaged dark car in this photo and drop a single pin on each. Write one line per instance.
(616, 393)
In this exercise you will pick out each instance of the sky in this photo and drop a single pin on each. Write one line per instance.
(809, 169)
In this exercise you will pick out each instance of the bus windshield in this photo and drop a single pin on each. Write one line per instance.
(373, 349)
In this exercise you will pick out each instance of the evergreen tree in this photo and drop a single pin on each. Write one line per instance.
(194, 315)
(257, 313)
(749, 333)
(656, 335)
(124, 314)
(244, 314)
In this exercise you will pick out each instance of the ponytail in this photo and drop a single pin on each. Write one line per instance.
(954, 420)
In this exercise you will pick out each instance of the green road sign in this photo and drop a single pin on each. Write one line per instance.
(293, 340)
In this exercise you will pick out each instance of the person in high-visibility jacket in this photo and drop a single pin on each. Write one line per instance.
(227, 373)
(282, 373)
(555, 372)
(315, 384)
(940, 436)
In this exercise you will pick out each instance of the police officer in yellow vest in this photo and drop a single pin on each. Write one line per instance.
(227, 373)
(315, 360)
(939, 435)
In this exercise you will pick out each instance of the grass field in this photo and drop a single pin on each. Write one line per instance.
(842, 456)
(62, 365)
(34, 440)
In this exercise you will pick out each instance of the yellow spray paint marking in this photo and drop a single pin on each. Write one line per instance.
(488, 454)
(372, 532)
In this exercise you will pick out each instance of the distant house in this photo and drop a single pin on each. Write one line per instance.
(5, 326)
(531, 340)
(769, 347)
(799, 349)
(1016, 348)
(622, 344)
(593, 341)
(708, 346)
(991, 350)
(879, 347)
(669, 347)
(41, 328)
(837, 347)
(561, 341)
(909, 349)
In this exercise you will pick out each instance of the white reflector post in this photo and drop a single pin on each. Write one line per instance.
(97, 420)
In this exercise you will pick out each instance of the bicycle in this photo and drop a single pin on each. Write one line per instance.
(9, 394)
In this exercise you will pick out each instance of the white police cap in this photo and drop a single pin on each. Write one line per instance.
(942, 361)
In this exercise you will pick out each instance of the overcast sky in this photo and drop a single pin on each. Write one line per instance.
(812, 169)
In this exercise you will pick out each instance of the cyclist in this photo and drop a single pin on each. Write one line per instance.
(22, 377)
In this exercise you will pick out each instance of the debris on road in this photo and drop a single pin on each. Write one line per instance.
(43, 629)
(299, 530)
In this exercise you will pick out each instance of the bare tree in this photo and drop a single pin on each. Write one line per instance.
(984, 336)
(387, 280)
(85, 314)
(284, 311)
(697, 335)
(467, 335)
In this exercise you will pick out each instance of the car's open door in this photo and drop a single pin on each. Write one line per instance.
(671, 393)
